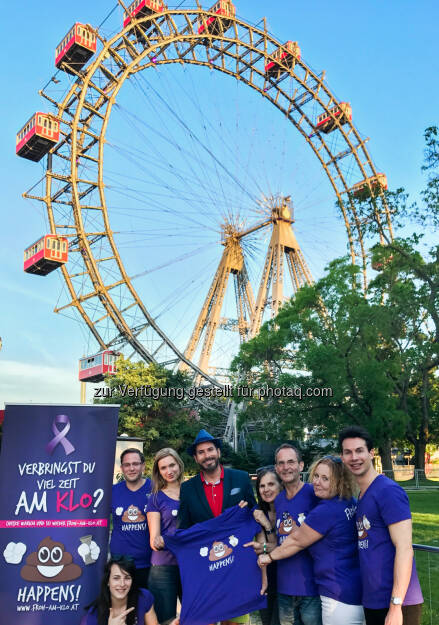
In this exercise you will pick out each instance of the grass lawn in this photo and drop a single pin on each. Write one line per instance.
(425, 512)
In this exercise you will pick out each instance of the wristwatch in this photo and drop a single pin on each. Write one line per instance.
(396, 600)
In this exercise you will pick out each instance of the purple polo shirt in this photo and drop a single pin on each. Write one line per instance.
(335, 556)
(295, 576)
(383, 504)
(168, 509)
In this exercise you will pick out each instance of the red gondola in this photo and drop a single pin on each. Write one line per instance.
(46, 254)
(142, 8)
(288, 54)
(342, 112)
(224, 8)
(95, 368)
(37, 136)
(77, 47)
(376, 183)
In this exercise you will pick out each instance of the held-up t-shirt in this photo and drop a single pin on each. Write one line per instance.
(220, 577)
(144, 604)
(168, 509)
(383, 504)
(335, 556)
(295, 575)
(130, 535)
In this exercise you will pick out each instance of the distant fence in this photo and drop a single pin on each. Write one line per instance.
(409, 477)
(427, 566)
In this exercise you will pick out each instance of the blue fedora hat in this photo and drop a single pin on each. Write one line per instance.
(203, 436)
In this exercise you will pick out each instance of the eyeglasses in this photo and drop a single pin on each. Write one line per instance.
(127, 465)
(335, 459)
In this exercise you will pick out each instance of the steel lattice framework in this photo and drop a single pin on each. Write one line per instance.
(98, 284)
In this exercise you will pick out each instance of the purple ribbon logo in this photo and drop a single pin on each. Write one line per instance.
(60, 435)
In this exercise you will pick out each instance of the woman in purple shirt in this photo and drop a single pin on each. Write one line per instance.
(329, 533)
(164, 577)
(120, 601)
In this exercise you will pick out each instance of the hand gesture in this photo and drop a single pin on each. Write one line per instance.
(120, 619)
(256, 546)
(242, 503)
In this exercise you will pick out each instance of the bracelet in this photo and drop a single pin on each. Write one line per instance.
(269, 555)
(265, 547)
(270, 531)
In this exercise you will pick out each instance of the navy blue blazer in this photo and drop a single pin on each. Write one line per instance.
(194, 507)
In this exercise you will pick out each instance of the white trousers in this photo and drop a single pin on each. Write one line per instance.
(337, 613)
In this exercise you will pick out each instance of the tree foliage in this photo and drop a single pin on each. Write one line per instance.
(378, 351)
(162, 421)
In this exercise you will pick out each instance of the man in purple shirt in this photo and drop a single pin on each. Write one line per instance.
(391, 590)
(298, 597)
(129, 499)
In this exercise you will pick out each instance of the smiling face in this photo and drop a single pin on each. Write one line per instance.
(219, 550)
(269, 487)
(356, 457)
(288, 467)
(169, 469)
(132, 515)
(51, 563)
(207, 456)
(132, 468)
(323, 481)
(119, 583)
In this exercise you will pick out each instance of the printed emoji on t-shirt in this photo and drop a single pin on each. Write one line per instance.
(287, 524)
(133, 515)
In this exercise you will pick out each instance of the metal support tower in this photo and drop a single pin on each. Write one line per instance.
(283, 246)
(209, 319)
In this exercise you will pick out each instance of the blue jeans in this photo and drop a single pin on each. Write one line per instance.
(299, 610)
(164, 583)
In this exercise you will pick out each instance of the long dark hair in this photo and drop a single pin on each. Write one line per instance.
(102, 604)
(263, 505)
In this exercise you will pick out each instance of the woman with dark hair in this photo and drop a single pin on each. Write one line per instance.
(120, 601)
(329, 532)
(164, 577)
(268, 486)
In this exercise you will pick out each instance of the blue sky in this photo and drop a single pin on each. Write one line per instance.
(381, 56)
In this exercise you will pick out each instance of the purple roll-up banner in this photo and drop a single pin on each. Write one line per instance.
(56, 473)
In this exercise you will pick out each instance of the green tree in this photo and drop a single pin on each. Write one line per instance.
(155, 408)
(377, 351)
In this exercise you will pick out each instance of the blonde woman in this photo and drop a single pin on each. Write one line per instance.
(329, 532)
(164, 577)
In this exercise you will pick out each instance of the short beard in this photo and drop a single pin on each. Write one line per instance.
(213, 469)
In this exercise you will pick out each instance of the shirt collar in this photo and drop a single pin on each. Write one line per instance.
(203, 479)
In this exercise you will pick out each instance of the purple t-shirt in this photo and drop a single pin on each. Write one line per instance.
(383, 504)
(168, 508)
(130, 535)
(295, 575)
(220, 577)
(144, 604)
(335, 556)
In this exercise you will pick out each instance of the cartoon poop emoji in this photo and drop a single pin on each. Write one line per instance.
(132, 515)
(362, 526)
(219, 550)
(51, 563)
(287, 524)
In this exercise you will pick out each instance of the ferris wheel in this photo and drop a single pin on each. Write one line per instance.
(88, 230)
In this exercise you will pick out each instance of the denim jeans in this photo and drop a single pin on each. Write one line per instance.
(164, 583)
(299, 610)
